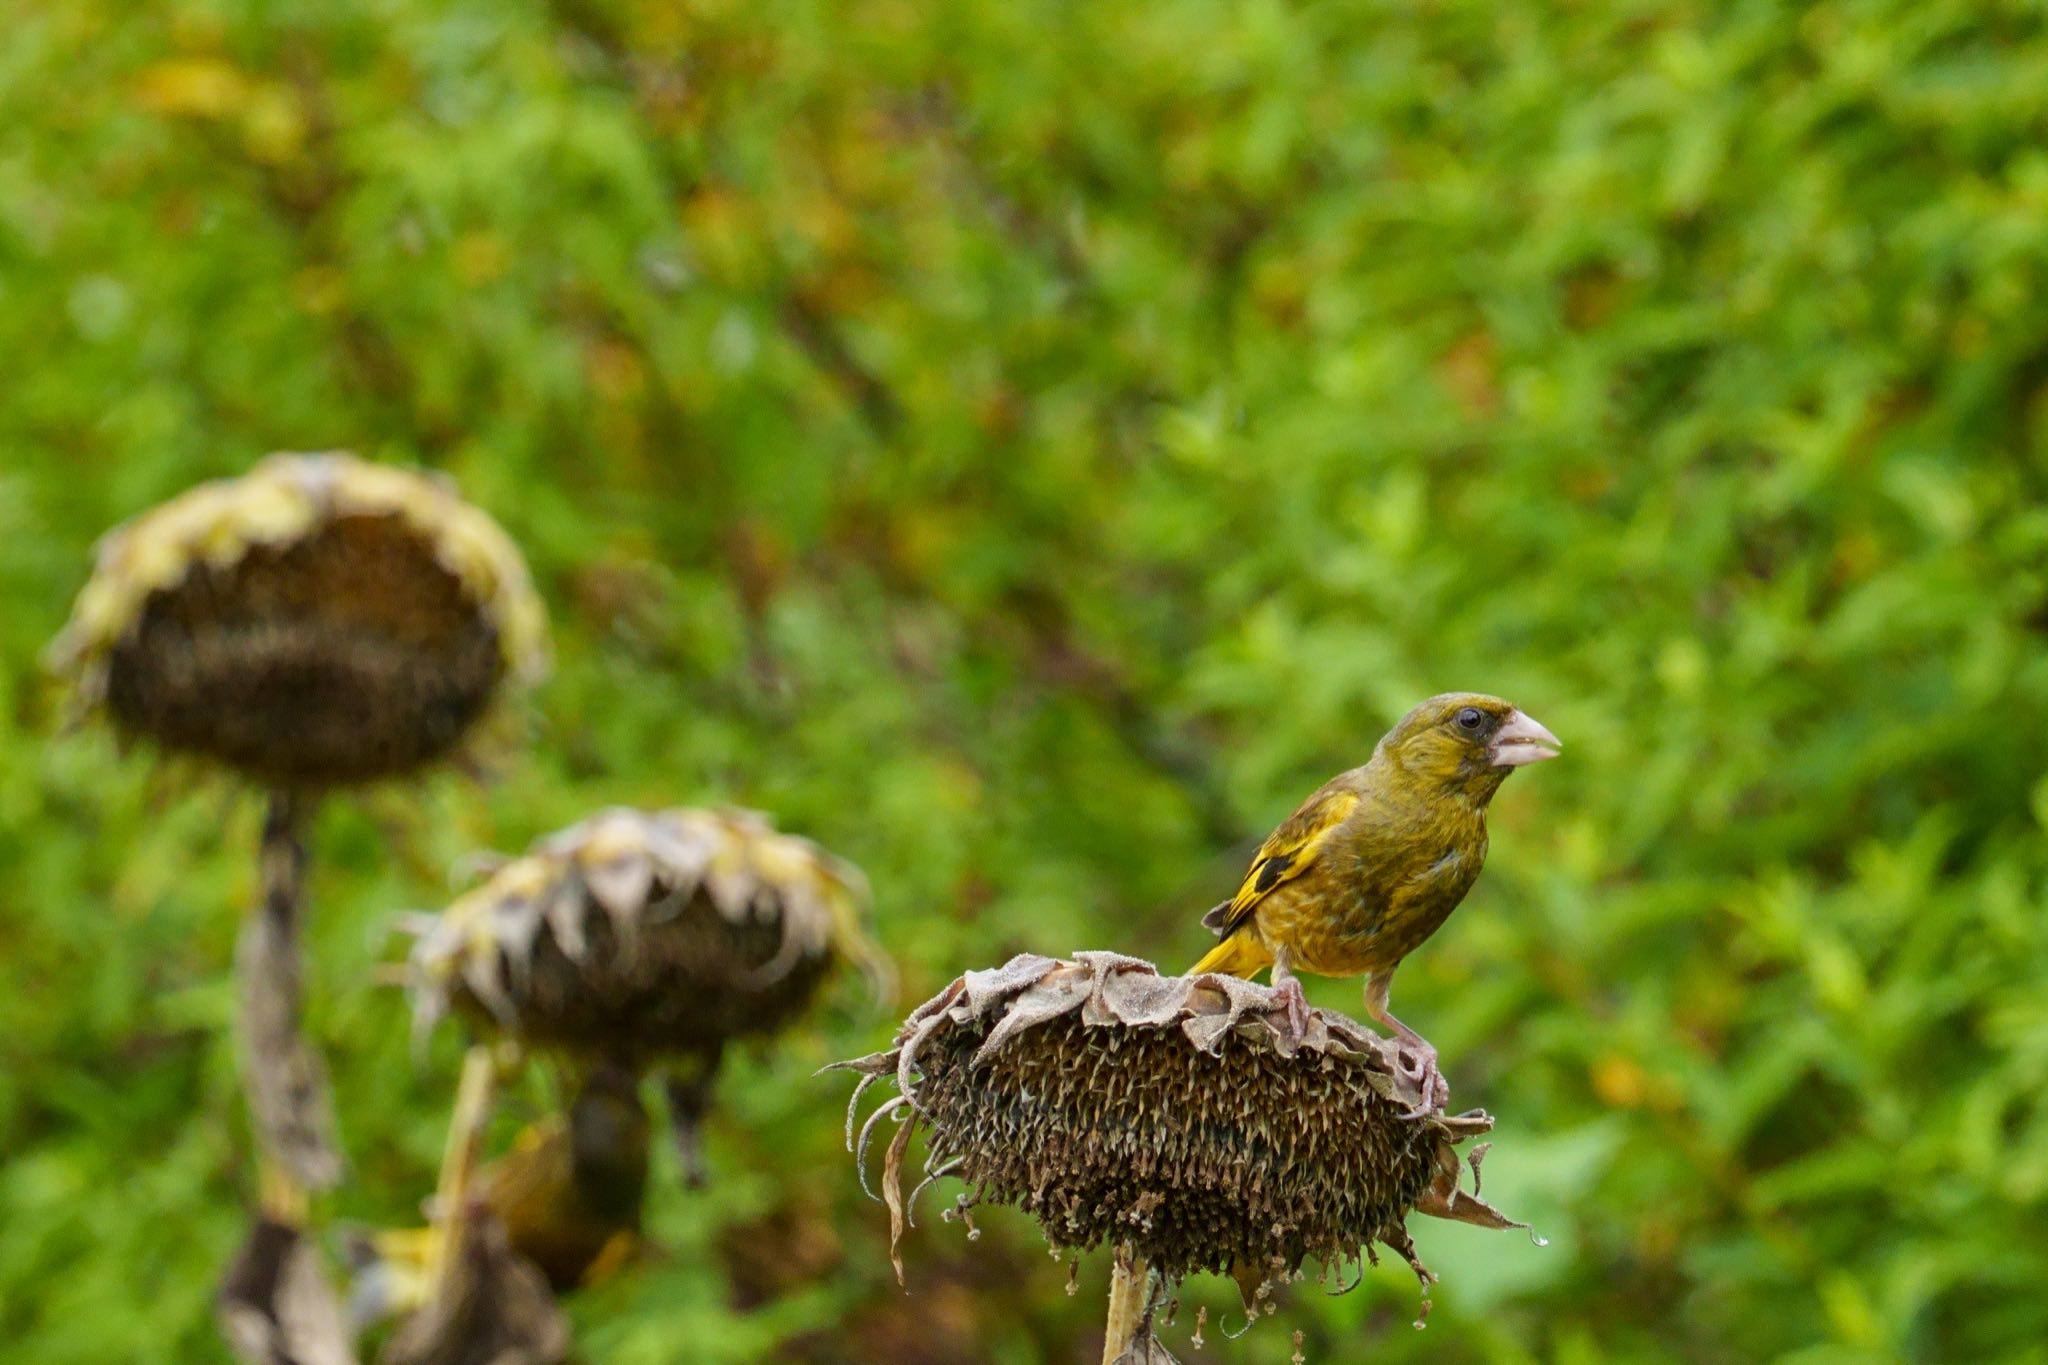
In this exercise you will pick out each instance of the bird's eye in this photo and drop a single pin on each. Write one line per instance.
(1470, 719)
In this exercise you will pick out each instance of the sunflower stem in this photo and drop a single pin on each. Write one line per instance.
(282, 1077)
(473, 1098)
(1130, 1296)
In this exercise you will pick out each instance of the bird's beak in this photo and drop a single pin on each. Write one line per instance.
(1522, 740)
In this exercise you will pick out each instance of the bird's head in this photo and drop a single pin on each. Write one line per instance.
(1466, 743)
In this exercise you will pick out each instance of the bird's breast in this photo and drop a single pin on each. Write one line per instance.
(1364, 915)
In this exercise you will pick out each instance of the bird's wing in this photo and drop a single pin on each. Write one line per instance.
(1288, 852)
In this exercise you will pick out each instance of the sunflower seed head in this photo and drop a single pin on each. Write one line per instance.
(609, 938)
(318, 620)
(1184, 1116)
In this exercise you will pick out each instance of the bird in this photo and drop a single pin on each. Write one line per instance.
(1373, 863)
(568, 1194)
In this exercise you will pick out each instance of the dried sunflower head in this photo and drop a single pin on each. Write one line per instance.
(637, 934)
(318, 620)
(1180, 1117)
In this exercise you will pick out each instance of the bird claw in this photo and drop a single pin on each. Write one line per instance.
(1415, 1060)
(1295, 1002)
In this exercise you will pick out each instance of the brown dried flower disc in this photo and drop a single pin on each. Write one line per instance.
(1182, 1117)
(317, 621)
(635, 934)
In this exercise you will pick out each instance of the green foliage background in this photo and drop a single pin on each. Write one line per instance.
(1028, 446)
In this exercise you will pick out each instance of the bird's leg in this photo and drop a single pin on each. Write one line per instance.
(1417, 1058)
(1288, 987)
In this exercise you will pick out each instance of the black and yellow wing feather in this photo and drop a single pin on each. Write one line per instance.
(1288, 852)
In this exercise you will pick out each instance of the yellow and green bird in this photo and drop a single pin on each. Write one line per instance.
(1375, 861)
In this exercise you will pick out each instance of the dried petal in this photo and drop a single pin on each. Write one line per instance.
(892, 1192)
(618, 880)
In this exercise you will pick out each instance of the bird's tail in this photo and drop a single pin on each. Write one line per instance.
(1240, 954)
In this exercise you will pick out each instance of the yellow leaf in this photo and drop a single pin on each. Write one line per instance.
(480, 257)
(192, 87)
(1620, 1082)
(273, 125)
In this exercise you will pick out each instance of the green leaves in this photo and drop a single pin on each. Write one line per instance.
(1028, 448)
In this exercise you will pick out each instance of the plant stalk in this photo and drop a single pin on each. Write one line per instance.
(1130, 1296)
(473, 1098)
(283, 1078)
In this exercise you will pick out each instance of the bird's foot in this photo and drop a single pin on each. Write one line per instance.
(1294, 1001)
(1415, 1060)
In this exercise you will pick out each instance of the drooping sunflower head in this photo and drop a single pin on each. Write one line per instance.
(319, 620)
(636, 934)
(1182, 1117)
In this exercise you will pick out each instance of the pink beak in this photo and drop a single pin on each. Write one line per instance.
(1522, 739)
